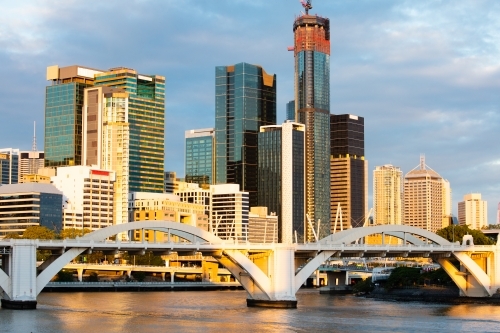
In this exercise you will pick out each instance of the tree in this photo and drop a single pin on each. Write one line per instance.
(38, 232)
(64, 276)
(403, 276)
(364, 286)
(457, 232)
(12, 235)
(72, 233)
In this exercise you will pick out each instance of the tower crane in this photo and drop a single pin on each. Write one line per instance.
(307, 5)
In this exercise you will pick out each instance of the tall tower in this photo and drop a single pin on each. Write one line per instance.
(387, 195)
(245, 100)
(146, 117)
(349, 170)
(199, 162)
(312, 107)
(473, 211)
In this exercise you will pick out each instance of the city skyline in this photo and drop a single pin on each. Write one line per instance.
(424, 75)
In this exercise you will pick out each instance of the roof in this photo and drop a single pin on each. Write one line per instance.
(28, 188)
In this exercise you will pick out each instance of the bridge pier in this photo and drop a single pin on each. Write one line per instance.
(20, 292)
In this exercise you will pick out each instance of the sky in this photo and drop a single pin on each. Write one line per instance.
(424, 74)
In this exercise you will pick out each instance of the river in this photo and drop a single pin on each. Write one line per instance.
(226, 311)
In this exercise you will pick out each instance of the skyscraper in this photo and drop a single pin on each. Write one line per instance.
(349, 170)
(312, 105)
(245, 100)
(106, 140)
(9, 166)
(473, 211)
(424, 198)
(199, 163)
(387, 195)
(146, 117)
(290, 111)
(281, 178)
(63, 114)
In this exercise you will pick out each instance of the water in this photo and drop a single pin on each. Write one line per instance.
(226, 311)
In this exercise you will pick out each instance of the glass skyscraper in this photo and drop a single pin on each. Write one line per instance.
(312, 103)
(199, 156)
(245, 100)
(290, 111)
(63, 114)
(146, 117)
(281, 178)
(9, 166)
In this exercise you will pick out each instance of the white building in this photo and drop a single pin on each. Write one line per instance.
(30, 162)
(229, 212)
(262, 228)
(87, 196)
(473, 211)
(387, 195)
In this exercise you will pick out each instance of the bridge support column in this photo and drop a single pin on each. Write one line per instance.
(21, 290)
(172, 277)
(80, 274)
(163, 276)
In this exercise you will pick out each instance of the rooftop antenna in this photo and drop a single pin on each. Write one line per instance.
(307, 5)
(33, 159)
(422, 161)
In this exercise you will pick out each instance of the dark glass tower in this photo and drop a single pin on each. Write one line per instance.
(245, 99)
(199, 156)
(312, 104)
(290, 111)
(281, 178)
(349, 170)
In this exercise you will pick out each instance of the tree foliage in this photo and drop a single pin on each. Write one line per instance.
(64, 276)
(38, 232)
(12, 235)
(410, 276)
(72, 233)
(364, 286)
(457, 232)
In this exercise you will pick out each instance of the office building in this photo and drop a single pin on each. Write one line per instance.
(262, 228)
(349, 172)
(290, 111)
(229, 212)
(170, 182)
(30, 162)
(63, 114)
(473, 211)
(88, 196)
(106, 140)
(312, 105)
(9, 166)
(35, 178)
(26, 205)
(245, 100)
(146, 117)
(281, 186)
(193, 193)
(387, 195)
(199, 163)
(424, 198)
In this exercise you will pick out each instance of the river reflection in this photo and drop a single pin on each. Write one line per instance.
(216, 311)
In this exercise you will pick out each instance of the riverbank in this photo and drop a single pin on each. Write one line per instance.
(138, 286)
(442, 295)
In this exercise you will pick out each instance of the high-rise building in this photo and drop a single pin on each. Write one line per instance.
(88, 196)
(146, 118)
(229, 212)
(26, 205)
(349, 171)
(423, 198)
(245, 100)
(63, 114)
(473, 211)
(106, 140)
(387, 195)
(199, 161)
(290, 111)
(30, 162)
(312, 105)
(9, 166)
(281, 185)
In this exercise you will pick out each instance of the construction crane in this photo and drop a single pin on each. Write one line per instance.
(307, 5)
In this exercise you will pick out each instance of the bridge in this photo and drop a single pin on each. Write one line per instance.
(270, 273)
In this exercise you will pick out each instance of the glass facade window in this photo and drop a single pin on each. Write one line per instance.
(290, 111)
(245, 99)
(199, 160)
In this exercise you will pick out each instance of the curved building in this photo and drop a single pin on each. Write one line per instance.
(312, 108)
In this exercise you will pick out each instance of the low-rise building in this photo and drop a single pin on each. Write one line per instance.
(262, 228)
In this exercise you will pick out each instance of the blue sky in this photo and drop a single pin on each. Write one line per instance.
(424, 74)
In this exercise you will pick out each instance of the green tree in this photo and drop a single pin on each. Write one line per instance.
(64, 276)
(402, 277)
(13, 235)
(72, 233)
(38, 232)
(457, 232)
(139, 276)
(93, 277)
(364, 286)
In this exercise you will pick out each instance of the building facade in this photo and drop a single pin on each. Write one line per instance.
(63, 114)
(348, 172)
(262, 228)
(26, 205)
(199, 162)
(245, 100)
(281, 186)
(229, 208)
(146, 118)
(290, 111)
(312, 108)
(387, 195)
(88, 196)
(423, 199)
(30, 162)
(473, 211)
(106, 140)
(9, 166)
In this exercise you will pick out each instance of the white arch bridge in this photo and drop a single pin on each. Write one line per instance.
(270, 273)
